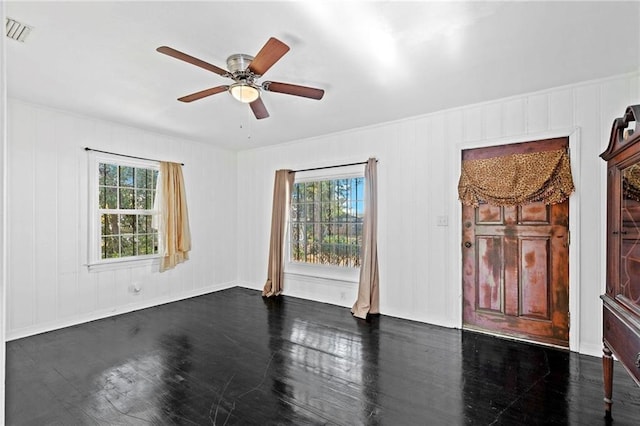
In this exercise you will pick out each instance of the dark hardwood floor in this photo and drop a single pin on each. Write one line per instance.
(232, 358)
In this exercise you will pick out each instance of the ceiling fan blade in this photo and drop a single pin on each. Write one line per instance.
(190, 59)
(293, 89)
(270, 53)
(203, 94)
(258, 108)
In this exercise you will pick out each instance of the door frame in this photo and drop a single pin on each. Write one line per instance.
(574, 220)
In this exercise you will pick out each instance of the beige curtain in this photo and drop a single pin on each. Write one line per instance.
(281, 201)
(368, 301)
(173, 221)
(517, 179)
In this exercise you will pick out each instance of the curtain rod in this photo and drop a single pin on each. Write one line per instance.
(330, 167)
(86, 148)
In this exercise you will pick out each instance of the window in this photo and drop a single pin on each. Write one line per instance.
(122, 209)
(326, 222)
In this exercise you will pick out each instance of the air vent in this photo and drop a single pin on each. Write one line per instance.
(16, 30)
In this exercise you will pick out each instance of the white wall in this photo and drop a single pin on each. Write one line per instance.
(49, 285)
(3, 171)
(419, 162)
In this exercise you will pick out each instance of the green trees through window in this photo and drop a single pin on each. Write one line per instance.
(326, 222)
(126, 196)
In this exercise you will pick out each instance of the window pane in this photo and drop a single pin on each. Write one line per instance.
(140, 198)
(151, 198)
(310, 212)
(315, 253)
(336, 190)
(126, 176)
(327, 253)
(335, 254)
(108, 174)
(325, 212)
(295, 232)
(109, 224)
(140, 177)
(338, 211)
(296, 251)
(110, 247)
(325, 190)
(294, 212)
(355, 255)
(145, 245)
(328, 233)
(308, 234)
(144, 224)
(127, 223)
(126, 198)
(295, 193)
(127, 245)
(353, 182)
(108, 198)
(144, 199)
(310, 190)
(360, 189)
(340, 255)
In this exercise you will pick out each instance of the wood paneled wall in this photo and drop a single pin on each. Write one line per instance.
(418, 174)
(3, 207)
(49, 284)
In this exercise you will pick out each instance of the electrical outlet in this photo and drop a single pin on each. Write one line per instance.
(443, 221)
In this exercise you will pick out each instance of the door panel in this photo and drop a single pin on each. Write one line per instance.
(516, 270)
(534, 213)
(490, 281)
(534, 285)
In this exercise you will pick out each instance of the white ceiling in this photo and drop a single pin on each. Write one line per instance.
(376, 61)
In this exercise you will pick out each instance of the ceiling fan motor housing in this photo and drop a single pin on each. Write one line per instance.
(239, 62)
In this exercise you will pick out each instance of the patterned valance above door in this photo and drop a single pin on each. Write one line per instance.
(517, 179)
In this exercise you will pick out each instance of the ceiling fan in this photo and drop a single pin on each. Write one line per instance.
(245, 70)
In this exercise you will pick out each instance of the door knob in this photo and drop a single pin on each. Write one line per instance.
(467, 244)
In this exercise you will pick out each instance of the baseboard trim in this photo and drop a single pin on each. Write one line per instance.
(590, 349)
(105, 313)
(249, 285)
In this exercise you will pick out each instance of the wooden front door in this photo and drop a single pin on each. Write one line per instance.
(515, 264)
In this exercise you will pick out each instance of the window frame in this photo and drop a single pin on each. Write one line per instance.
(95, 261)
(332, 272)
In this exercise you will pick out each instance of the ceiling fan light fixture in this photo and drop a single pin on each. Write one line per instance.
(244, 92)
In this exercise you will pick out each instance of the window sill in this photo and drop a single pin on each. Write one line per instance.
(110, 265)
(334, 273)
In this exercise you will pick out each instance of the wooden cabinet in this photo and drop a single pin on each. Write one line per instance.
(621, 301)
